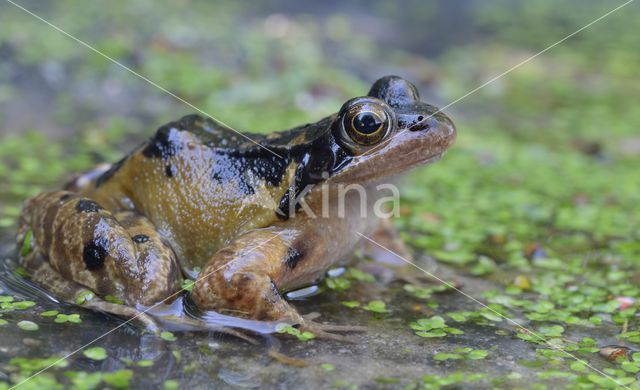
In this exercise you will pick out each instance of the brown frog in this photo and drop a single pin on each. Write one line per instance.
(249, 219)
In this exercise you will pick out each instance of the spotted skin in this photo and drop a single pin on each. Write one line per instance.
(67, 290)
(87, 244)
(198, 195)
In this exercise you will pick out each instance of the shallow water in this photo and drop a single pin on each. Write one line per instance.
(387, 355)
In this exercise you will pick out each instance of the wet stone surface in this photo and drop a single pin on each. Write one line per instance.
(389, 354)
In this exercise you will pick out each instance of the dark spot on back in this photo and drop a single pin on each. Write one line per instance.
(230, 171)
(110, 172)
(163, 144)
(140, 238)
(94, 254)
(87, 206)
(168, 170)
(271, 169)
(292, 258)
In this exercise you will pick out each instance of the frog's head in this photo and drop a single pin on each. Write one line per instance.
(388, 132)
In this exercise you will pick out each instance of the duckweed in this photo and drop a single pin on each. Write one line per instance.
(95, 353)
(64, 318)
(376, 307)
(167, 336)
(327, 367)
(462, 354)
(119, 379)
(26, 244)
(28, 325)
(28, 366)
(433, 382)
(433, 327)
(84, 296)
(290, 330)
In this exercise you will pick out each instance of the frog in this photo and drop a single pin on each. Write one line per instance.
(247, 217)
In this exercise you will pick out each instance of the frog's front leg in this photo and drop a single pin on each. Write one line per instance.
(244, 278)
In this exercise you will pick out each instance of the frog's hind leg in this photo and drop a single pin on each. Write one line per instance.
(42, 273)
(67, 291)
(111, 254)
(79, 246)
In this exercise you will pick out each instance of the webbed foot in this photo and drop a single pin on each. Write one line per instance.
(328, 331)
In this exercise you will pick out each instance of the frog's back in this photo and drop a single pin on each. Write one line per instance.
(202, 184)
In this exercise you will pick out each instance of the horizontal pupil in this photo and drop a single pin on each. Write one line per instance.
(367, 123)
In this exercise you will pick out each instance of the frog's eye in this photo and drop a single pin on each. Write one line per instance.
(365, 121)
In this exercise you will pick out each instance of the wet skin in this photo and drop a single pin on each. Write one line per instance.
(200, 201)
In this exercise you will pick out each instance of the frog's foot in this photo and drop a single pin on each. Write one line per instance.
(330, 331)
(129, 313)
(238, 334)
(311, 317)
(68, 291)
(326, 331)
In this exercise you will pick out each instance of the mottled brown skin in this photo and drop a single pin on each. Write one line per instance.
(198, 195)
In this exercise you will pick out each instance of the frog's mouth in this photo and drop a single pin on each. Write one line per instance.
(421, 143)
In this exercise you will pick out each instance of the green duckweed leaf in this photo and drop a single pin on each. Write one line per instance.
(95, 353)
(350, 304)
(376, 307)
(119, 379)
(167, 336)
(28, 326)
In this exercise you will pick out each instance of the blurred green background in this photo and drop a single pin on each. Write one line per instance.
(539, 195)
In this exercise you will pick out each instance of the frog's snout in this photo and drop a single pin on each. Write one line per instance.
(428, 125)
(445, 129)
(412, 113)
(421, 117)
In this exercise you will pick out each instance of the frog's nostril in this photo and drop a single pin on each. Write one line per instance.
(421, 123)
(417, 122)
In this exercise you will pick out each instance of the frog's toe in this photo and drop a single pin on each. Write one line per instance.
(130, 314)
(330, 331)
(310, 317)
(341, 328)
(238, 333)
(320, 333)
(332, 336)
